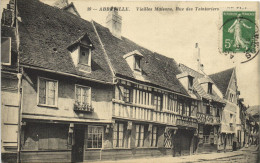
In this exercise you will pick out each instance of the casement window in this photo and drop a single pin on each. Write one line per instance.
(137, 64)
(83, 95)
(194, 107)
(157, 101)
(139, 136)
(84, 56)
(190, 82)
(47, 91)
(118, 136)
(142, 97)
(154, 136)
(95, 136)
(188, 109)
(209, 88)
(124, 93)
(172, 102)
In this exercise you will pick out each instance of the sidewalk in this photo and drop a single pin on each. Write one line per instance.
(190, 158)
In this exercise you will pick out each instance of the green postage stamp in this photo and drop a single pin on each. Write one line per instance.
(239, 33)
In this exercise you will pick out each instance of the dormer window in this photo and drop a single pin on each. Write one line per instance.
(84, 57)
(190, 82)
(137, 63)
(134, 61)
(209, 88)
(81, 53)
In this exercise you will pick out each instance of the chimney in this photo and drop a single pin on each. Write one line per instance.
(8, 15)
(114, 22)
(200, 67)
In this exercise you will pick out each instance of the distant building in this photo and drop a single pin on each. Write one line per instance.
(226, 81)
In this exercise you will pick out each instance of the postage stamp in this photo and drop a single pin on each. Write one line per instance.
(239, 33)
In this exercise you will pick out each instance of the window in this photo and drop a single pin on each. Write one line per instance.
(217, 114)
(43, 136)
(95, 136)
(194, 107)
(157, 102)
(172, 102)
(210, 88)
(83, 95)
(231, 97)
(6, 50)
(154, 137)
(47, 92)
(118, 135)
(84, 56)
(207, 109)
(139, 136)
(190, 82)
(137, 63)
(124, 93)
(128, 94)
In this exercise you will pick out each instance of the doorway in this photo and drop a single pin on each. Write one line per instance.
(78, 147)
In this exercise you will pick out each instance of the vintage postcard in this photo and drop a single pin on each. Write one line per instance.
(129, 81)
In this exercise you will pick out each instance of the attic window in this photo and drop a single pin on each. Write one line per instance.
(190, 82)
(84, 56)
(137, 63)
(209, 88)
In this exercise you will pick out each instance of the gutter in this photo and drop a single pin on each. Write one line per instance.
(66, 74)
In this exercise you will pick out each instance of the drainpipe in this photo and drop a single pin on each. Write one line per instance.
(19, 76)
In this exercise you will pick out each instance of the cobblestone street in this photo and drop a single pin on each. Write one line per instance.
(245, 155)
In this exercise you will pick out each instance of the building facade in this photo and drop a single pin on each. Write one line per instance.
(226, 81)
(81, 91)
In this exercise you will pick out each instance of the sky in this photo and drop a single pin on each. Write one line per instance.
(174, 34)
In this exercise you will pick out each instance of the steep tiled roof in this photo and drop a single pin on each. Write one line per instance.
(46, 32)
(157, 69)
(197, 86)
(44, 28)
(221, 79)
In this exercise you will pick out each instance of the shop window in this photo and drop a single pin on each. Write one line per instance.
(83, 95)
(139, 136)
(47, 92)
(118, 136)
(154, 137)
(95, 136)
(40, 136)
(157, 101)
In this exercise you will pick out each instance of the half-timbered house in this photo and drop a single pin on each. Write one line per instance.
(88, 93)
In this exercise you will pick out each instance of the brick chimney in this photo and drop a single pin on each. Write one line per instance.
(114, 23)
(8, 15)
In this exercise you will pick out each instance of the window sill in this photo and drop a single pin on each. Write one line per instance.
(48, 106)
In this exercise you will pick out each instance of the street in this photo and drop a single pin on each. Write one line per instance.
(243, 155)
